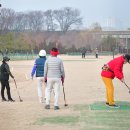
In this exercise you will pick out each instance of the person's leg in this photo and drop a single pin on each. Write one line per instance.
(109, 90)
(45, 88)
(48, 90)
(8, 91)
(57, 90)
(96, 55)
(2, 90)
(39, 87)
(45, 91)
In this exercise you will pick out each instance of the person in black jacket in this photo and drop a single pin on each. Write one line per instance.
(83, 53)
(5, 73)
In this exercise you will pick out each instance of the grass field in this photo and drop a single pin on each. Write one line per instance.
(85, 94)
(87, 119)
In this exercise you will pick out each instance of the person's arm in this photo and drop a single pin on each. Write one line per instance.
(33, 70)
(45, 70)
(118, 71)
(122, 80)
(8, 70)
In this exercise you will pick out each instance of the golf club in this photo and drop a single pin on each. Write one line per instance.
(127, 86)
(64, 96)
(17, 91)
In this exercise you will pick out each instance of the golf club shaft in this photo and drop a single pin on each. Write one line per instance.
(64, 94)
(126, 85)
(17, 90)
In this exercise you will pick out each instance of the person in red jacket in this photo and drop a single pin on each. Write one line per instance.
(113, 69)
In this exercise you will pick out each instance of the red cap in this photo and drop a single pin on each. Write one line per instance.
(53, 53)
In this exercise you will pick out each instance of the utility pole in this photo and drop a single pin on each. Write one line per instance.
(126, 45)
(0, 8)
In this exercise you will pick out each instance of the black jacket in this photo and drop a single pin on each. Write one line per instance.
(5, 72)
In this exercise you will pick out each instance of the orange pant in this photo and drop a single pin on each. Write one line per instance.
(109, 90)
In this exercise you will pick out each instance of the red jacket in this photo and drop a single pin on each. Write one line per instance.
(116, 66)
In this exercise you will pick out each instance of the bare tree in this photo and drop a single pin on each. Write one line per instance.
(50, 21)
(63, 19)
(96, 27)
(35, 20)
(20, 23)
(67, 17)
(6, 19)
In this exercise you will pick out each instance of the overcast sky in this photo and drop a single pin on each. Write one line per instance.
(91, 10)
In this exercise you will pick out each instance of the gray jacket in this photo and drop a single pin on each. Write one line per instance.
(54, 68)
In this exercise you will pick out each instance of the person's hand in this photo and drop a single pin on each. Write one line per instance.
(122, 80)
(32, 77)
(45, 79)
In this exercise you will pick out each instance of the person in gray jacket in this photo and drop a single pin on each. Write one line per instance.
(53, 72)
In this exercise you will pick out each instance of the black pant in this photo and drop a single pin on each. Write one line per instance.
(83, 55)
(5, 84)
(96, 55)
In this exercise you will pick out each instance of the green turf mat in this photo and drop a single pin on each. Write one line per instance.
(103, 106)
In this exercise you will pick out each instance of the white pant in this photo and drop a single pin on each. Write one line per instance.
(40, 82)
(53, 83)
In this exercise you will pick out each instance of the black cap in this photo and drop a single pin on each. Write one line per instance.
(54, 49)
(127, 56)
(5, 58)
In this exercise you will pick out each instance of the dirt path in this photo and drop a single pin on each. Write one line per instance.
(83, 85)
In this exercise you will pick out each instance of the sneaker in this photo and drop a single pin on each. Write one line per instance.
(56, 108)
(47, 107)
(113, 106)
(107, 103)
(11, 100)
(4, 99)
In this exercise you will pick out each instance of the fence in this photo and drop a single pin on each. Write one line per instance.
(29, 56)
(19, 56)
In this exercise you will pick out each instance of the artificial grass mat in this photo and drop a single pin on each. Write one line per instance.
(103, 106)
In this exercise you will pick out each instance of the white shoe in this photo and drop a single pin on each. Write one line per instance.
(114, 106)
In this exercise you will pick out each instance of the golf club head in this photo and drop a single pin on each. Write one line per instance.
(66, 105)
